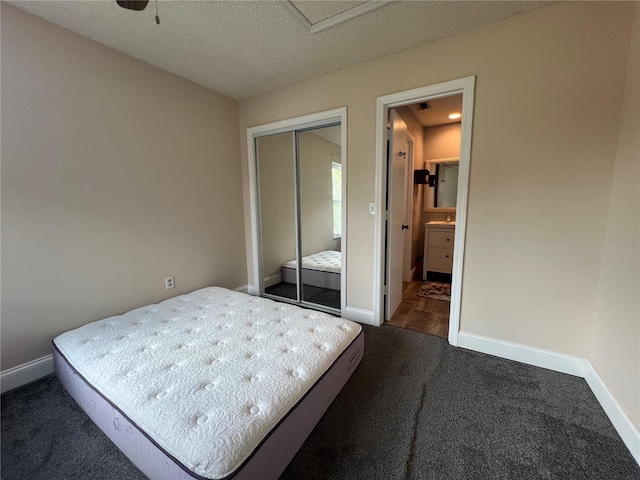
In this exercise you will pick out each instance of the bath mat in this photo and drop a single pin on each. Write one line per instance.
(436, 290)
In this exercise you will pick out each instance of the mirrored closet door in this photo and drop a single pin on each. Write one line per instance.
(299, 179)
(276, 187)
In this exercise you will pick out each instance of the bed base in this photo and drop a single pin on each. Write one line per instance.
(315, 278)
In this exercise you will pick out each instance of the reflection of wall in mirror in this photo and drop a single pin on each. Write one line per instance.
(276, 180)
(316, 157)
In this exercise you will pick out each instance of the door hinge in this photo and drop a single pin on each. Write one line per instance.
(385, 290)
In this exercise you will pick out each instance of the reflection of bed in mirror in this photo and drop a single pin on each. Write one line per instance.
(321, 269)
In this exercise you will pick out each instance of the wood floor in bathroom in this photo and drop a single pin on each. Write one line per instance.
(420, 314)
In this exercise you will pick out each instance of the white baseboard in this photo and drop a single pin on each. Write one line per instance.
(242, 288)
(522, 353)
(22, 374)
(359, 315)
(580, 367)
(625, 427)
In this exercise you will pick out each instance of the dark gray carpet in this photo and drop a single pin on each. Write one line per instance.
(415, 408)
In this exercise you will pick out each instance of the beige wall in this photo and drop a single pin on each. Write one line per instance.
(548, 94)
(442, 141)
(115, 175)
(615, 344)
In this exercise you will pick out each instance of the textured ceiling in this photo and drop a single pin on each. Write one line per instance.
(244, 48)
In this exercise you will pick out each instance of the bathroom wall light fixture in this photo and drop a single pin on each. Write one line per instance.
(422, 177)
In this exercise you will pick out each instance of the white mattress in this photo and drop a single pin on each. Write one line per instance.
(209, 374)
(327, 261)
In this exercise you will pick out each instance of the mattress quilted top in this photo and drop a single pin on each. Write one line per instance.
(209, 374)
(327, 261)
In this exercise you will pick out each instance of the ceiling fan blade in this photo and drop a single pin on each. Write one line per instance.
(137, 5)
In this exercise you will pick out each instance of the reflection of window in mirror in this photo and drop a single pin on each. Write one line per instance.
(336, 188)
(441, 192)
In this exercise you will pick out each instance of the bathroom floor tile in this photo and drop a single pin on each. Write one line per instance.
(421, 314)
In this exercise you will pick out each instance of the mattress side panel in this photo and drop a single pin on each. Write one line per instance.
(143, 453)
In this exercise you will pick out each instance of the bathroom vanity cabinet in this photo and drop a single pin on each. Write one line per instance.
(438, 247)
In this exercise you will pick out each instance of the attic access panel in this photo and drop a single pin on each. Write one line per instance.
(318, 16)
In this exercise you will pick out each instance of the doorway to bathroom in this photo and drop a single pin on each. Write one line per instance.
(430, 209)
(423, 194)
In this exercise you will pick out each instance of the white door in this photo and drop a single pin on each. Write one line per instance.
(408, 210)
(396, 228)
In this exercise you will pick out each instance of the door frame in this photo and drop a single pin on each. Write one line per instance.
(290, 125)
(466, 87)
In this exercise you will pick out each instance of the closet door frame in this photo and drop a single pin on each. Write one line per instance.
(305, 122)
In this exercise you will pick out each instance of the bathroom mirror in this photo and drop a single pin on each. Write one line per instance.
(441, 192)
